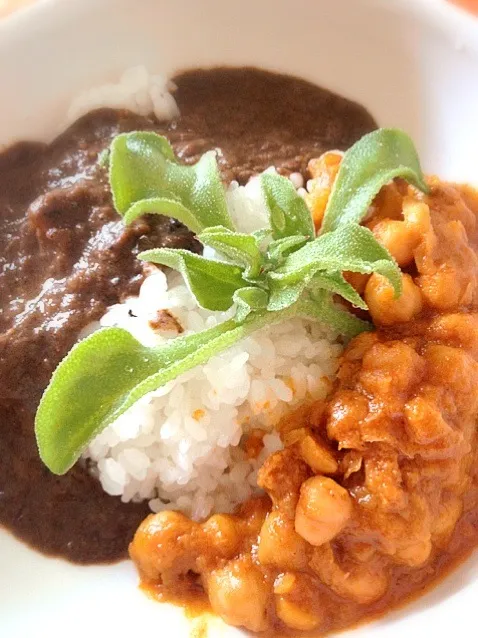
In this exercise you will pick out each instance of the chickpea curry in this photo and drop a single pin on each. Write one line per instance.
(375, 493)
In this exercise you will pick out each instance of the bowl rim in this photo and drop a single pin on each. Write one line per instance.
(451, 19)
(450, 22)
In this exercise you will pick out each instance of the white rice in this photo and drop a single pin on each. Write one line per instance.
(136, 90)
(179, 447)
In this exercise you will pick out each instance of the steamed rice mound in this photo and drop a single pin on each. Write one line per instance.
(180, 446)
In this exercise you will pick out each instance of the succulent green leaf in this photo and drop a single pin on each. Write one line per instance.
(249, 299)
(288, 212)
(145, 176)
(279, 249)
(369, 164)
(262, 235)
(281, 297)
(323, 309)
(239, 248)
(270, 275)
(213, 283)
(349, 248)
(334, 282)
(161, 206)
(108, 372)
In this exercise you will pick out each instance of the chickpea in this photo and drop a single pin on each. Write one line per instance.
(362, 583)
(323, 510)
(357, 280)
(326, 166)
(359, 346)
(460, 329)
(165, 545)
(280, 545)
(222, 533)
(387, 204)
(417, 216)
(384, 308)
(317, 456)
(424, 422)
(416, 553)
(312, 450)
(445, 288)
(294, 616)
(391, 368)
(294, 436)
(238, 594)
(323, 170)
(399, 238)
(346, 411)
(252, 514)
(285, 583)
(316, 201)
(455, 370)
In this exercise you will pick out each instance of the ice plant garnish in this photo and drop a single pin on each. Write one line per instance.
(281, 272)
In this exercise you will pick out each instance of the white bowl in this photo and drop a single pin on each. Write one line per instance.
(413, 63)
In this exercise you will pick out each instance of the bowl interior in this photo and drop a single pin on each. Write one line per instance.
(413, 65)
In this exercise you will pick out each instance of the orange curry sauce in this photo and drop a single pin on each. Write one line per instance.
(375, 495)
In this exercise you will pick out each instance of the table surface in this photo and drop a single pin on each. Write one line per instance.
(471, 5)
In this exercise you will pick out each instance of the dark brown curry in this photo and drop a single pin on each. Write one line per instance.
(66, 256)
